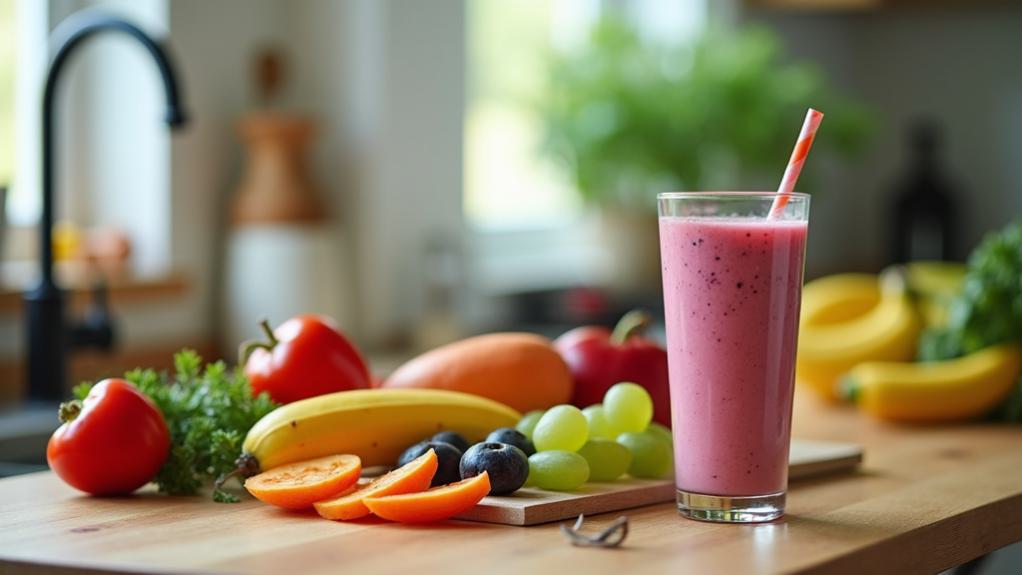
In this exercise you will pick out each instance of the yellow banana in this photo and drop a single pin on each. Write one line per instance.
(935, 278)
(934, 285)
(951, 390)
(838, 298)
(375, 424)
(886, 332)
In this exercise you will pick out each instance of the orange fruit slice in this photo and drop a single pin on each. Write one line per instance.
(299, 485)
(434, 504)
(409, 478)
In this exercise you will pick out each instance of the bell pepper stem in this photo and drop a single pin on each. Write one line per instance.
(246, 348)
(632, 323)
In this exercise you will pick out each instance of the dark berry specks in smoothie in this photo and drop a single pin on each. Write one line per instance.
(723, 310)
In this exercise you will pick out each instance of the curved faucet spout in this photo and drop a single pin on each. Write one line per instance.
(47, 327)
(68, 36)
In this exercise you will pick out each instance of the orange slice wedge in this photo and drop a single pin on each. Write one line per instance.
(299, 485)
(409, 478)
(434, 504)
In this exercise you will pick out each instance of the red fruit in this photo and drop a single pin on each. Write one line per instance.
(599, 358)
(112, 442)
(306, 356)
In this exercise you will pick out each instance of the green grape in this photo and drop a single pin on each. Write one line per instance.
(528, 422)
(598, 427)
(607, 459)
(628, 407)
(651, 455)
(558, 470)
(530, 480)
(661, 431)
(561, 427)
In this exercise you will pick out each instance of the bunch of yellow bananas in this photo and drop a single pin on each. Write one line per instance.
(858, 337)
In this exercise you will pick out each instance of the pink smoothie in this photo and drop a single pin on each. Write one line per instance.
(732, 289)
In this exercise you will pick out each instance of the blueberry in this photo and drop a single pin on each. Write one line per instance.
(512, 436)
(507, 466)
(453, 438)
(448, 459)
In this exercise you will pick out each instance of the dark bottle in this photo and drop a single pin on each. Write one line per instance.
(924, 212)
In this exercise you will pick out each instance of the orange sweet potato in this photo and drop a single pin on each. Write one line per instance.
(521, 370)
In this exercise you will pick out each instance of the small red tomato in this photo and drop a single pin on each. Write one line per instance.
(599, 358)
(306, 356)
(112, 442)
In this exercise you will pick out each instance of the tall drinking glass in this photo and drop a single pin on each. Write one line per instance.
(732, 289)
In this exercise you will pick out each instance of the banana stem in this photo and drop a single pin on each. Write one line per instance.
(245, 466)
(894, 280)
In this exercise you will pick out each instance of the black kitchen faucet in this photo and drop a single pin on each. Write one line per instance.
(50, 336)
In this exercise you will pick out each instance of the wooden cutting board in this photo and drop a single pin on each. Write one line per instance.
(530, 506)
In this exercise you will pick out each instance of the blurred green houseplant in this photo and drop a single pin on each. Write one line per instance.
(630, 118)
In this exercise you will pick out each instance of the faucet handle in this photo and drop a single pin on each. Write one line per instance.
(95, 329)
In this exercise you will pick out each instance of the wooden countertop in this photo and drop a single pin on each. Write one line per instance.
(925, 499)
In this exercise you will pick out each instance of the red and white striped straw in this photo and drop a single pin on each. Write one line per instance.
(798, 157)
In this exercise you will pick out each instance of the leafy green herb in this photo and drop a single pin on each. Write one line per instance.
(627, 115)
(208, 412)
(988, 311)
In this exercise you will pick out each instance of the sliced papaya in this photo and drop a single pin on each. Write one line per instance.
(432, 505)
(414, 476)
(299, 485)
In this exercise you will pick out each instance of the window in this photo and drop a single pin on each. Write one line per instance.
(23, 28)
(8, 43)
(112, 151)
(529, 223)
(508, 185)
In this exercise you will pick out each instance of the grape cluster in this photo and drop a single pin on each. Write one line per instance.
(599, 443)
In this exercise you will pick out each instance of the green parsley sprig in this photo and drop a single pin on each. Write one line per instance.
(208, 412)
(988, 311)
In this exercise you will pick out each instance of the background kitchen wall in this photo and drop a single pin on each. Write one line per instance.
(447, 217)
(383, 81)
(954, 63)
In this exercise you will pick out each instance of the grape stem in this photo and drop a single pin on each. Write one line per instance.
(613, 536)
